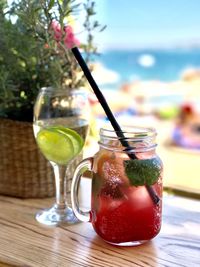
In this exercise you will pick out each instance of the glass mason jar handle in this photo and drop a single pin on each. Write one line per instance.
(84, 165)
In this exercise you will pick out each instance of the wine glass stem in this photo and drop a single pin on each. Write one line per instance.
(60, 183)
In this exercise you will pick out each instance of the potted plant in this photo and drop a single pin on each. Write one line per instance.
(30, 58)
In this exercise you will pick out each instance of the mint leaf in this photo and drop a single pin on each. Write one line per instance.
(143, 171)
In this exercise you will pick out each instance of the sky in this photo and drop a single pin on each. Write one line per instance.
(148, 23)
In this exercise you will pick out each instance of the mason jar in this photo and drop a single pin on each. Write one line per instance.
(126, 197)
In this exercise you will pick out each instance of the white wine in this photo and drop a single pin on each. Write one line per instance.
(58, 142)
(75, 123)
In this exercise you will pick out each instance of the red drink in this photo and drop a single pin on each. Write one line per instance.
(123, 208)
(121, 212)
(125, 222)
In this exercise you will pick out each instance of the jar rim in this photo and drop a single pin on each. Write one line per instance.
(128, 132)
(136, 138)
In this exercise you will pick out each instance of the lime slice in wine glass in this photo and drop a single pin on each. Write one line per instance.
(55, 146)
(76, 139)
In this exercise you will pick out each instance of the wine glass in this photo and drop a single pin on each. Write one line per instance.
(60, 127)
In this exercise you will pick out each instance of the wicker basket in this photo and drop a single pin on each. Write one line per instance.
(24, 172)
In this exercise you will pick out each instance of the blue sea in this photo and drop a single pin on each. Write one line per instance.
(148, 64)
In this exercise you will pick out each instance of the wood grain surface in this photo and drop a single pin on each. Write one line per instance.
(24, 242)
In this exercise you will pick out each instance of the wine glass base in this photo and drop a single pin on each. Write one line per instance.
(56, 216)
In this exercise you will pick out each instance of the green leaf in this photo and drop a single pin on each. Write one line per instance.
(103, 28)
(51, 4)
(142, 172)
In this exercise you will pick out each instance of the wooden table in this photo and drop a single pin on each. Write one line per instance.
(24, 242)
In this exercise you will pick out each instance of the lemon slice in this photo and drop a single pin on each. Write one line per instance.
(55, 146)
(75, 138)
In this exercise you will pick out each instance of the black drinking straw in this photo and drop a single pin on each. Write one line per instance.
(108, 112)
